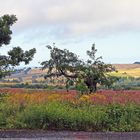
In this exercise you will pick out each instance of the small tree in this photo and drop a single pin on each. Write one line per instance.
(95, 71)
(67, 64)
(16, 55)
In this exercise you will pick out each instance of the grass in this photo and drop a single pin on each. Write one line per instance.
(59, 110)
(61, 116)
(132, 72)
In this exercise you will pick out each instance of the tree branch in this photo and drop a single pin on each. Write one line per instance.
(62, 73)
(69, 76)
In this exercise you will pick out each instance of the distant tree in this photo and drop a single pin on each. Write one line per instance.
(16, 55)
(67, 64)
(136, 62)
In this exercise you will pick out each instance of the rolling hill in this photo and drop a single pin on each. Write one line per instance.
(32, 75)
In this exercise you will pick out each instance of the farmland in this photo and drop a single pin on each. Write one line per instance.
(132, 70)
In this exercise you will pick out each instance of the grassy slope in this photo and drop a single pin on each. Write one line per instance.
(127, 70)
(123, 70)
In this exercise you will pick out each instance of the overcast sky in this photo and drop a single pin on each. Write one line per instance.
(113, 25)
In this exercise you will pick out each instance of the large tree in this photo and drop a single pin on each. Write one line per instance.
(65, 63)
(16, 55)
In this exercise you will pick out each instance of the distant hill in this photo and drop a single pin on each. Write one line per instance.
(136, 62)
(127, 70)
(37, 74)
(126, 66)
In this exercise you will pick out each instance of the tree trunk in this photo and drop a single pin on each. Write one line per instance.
(92, 85)
(93, 88)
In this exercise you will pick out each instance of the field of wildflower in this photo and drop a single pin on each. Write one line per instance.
(106, 110)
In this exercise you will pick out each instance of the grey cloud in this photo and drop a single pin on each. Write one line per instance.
(74, 17)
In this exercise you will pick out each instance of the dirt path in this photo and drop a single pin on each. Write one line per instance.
(66, 135)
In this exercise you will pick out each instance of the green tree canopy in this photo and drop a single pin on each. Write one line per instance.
(6, 22)
(65, 63)
(16, 55)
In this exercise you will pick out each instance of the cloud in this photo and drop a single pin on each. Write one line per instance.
(74, 17)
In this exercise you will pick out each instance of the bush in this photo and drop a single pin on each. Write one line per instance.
(60, 117)
(123, 118)
(82, 87)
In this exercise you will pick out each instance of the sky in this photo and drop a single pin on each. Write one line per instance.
(113, 25)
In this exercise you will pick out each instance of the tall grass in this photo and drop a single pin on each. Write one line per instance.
(64, 116)
(103, 111)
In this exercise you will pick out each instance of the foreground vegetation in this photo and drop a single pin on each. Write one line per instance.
(59, 110)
